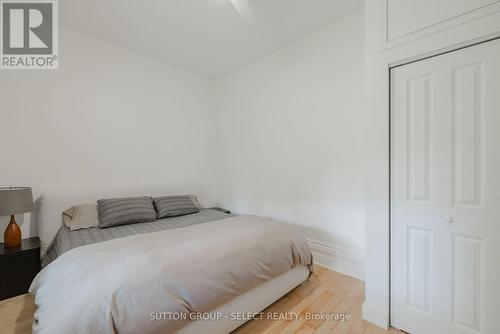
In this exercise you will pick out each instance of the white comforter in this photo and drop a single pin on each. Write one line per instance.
(114, 286)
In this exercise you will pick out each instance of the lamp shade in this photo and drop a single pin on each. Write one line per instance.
(15, 200)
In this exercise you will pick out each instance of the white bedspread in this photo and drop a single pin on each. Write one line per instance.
(114, 286)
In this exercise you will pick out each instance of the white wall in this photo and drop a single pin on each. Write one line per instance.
(284, 134)
(107, 117)
(290, 134)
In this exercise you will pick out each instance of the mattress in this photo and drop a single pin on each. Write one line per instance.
(66, 239)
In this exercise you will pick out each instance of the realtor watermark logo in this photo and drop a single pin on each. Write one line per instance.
(29, 36)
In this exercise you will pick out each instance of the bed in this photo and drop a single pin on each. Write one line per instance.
(201, 273)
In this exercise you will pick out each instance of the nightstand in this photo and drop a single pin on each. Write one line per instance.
(18, 266)
(220, 209)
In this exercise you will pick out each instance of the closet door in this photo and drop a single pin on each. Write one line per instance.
(417, 197)
(445, 193)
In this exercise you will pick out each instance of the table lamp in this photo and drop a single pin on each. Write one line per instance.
(14, 201)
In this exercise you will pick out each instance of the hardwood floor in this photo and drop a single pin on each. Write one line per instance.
(16, 314)
(326, 293)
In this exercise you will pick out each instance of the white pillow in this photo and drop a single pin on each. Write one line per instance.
(197, 204)
(81, 216)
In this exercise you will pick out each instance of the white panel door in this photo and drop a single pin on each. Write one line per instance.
(416, 200)
(445, 193)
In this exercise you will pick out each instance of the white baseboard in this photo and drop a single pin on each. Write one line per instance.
(351, 264)
(375, 316)
(337, 259)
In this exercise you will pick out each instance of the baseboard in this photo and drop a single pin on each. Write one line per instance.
(337, 259)
(375, 316)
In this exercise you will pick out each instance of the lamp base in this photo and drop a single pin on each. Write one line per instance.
(12, 234)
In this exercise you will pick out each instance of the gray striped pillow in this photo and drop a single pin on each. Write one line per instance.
(122, 211)
(171, 206)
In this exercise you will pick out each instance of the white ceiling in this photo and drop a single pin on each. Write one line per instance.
(208, 37)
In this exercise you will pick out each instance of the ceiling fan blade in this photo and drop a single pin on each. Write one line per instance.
(244, 9)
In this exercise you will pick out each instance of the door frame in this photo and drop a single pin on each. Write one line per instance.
(378, 61)
(390, 135)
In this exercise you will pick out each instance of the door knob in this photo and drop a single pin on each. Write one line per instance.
(449, 220)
